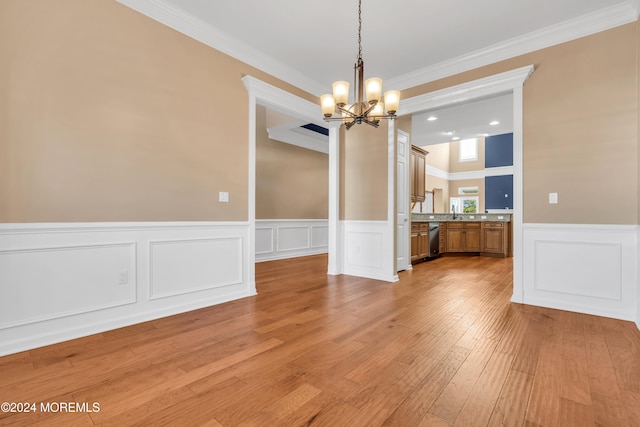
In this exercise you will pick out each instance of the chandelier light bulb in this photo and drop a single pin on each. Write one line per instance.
(328, 105)
(341, 92)
(392, 101)
(373, 89)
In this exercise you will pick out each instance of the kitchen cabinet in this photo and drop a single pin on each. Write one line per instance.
(443, 238)
(417, 167)
(463, 237)
(495, 239)
(419, 240)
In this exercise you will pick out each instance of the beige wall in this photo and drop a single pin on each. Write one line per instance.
(404, 124)
(107, 115)
(455, 165)
(363, 171)
(441, 199)
(580, 127)
(439, 156)
(111, 116)
(291, 182)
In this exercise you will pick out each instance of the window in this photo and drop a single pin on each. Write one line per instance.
(468, 150)
(468, 204)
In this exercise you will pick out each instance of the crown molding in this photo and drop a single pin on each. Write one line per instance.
(181, 21)
(582, 26)
(171, 16)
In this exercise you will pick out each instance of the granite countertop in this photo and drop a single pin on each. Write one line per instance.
(477, 217)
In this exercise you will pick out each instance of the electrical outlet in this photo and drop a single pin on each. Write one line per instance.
(553, 198)
(223, 196)
(123, 278)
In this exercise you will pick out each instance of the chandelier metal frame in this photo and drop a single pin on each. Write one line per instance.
(370, 111)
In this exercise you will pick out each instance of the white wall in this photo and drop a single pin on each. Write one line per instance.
(63, 281)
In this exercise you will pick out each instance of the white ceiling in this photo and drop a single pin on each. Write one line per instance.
(469, 120)
(405, 42)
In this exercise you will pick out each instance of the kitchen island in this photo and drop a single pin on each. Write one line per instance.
(461, 234)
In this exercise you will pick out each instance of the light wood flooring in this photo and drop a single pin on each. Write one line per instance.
(444, 346)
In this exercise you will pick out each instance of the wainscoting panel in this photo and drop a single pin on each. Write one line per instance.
(290, 238)
(585, 268)
(40, 284)
(64, 281)
(366, 250)
(180, 267)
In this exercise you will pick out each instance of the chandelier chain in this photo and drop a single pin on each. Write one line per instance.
(359, 29)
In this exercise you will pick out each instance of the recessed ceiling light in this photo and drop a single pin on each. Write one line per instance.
(494, 123)
(451, 132)
(455, 138)
(432, 118)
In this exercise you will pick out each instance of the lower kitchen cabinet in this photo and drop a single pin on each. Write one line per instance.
(419, 240)
(463, 237)
(495, 239)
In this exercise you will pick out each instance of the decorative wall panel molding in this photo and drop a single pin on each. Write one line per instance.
(64, 281)
(585, 268)
(290, 238)
(365, 247)
(183, 266)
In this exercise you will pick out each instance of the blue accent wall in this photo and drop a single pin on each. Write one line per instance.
(498, 150)
(495, 190)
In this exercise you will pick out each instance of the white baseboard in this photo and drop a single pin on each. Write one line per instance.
(64, 281)
(585, 268)
(290, 238)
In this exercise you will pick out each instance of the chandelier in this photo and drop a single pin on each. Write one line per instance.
(369, 111)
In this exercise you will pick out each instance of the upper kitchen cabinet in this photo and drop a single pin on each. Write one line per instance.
(418, 166)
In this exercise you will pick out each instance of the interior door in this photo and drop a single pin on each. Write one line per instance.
(403, 261)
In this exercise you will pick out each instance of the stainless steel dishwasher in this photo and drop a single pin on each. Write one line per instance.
(434, 239)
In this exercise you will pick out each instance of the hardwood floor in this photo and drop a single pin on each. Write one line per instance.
(442, 347)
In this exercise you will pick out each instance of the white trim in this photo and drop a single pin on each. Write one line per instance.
(313, 241)
(517, 215)
(292, 133)
(587, 268)
(498, 171)
(176, 18)
(283, 101)
(67, 275)
(509, 81)
(605, 19)
(336, 237)
(265, 94)
(438, 173)
(459, 176)
(110, 227)
(497, 84)
(392, 187)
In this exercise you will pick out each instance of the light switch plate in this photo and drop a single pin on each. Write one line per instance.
(223, 196)
(553, 198)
